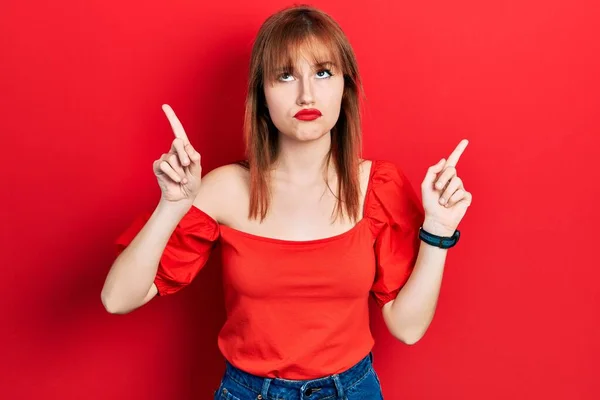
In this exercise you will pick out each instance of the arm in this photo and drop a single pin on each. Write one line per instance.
(130, 281)
(445, 202)
(410, 314)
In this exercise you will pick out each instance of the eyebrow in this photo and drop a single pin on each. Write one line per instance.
(323, 64)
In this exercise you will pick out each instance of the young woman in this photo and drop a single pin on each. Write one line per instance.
(308, 230)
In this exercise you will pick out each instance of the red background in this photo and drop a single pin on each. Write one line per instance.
(81, 87)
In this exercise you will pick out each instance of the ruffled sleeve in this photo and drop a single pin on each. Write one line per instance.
(186, 252)
(396, 214)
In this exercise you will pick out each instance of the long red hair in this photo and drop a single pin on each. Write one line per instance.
(275, 48)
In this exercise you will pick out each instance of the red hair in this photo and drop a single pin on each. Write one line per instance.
(275, 48)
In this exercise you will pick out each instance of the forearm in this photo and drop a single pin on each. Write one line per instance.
(132, 273)
(413, 309)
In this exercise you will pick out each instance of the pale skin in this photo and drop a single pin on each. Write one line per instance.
(301, 204)
(445, 201)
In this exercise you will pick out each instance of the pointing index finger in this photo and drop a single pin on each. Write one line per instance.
(175, 124)
(453, 158)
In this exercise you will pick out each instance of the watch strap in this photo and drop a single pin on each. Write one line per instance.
(443, 242)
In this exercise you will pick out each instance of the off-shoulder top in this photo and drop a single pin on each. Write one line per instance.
(299, 309)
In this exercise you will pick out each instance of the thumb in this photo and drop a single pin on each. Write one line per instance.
(195, 167)
(433, 171)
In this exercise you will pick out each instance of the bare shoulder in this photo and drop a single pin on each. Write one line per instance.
(365, 171)
(365, 165)
(221, 189)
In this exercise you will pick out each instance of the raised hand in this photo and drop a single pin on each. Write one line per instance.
(178, 171)
(445, 199)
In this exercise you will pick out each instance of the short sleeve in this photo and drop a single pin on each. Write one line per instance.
(396, 215)
(187, 250)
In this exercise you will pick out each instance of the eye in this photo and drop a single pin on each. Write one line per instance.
(327, 71)
(283, 76)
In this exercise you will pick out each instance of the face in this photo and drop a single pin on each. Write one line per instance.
(309, 86)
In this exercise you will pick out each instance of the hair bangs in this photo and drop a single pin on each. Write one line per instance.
(318, 47)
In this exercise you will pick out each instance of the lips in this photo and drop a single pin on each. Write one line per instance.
(308, 114)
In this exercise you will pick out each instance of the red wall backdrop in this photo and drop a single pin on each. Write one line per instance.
(81, 85)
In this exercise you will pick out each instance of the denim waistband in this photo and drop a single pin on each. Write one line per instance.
(340, 381)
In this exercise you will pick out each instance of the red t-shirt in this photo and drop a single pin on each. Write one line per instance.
(299, 309)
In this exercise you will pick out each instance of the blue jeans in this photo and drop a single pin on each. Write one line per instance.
(359, 382)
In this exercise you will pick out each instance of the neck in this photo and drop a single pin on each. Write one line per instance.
(303, 161)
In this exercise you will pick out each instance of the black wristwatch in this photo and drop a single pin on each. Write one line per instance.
(443, 242)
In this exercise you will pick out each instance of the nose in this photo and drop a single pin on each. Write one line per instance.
(306, 95)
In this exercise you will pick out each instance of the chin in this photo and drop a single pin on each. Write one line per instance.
(305, 132)
(308, 135)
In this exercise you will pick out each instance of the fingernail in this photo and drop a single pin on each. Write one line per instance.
(184, 181)
(442, 201)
